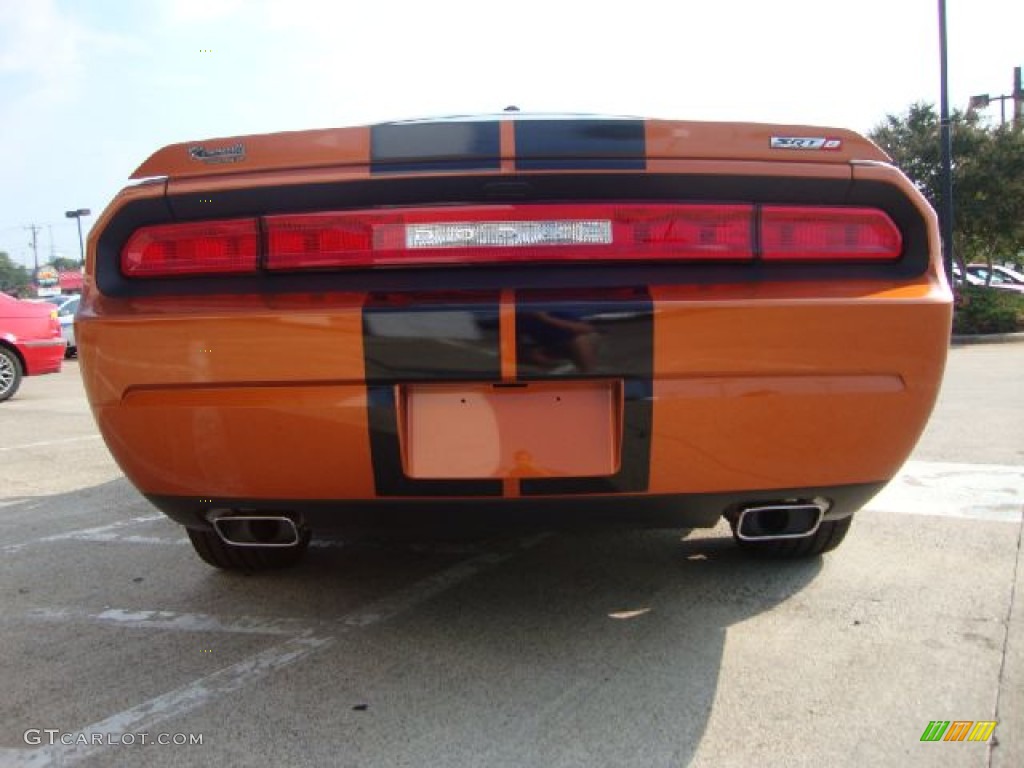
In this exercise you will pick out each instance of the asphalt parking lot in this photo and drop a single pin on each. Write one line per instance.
(586, 649)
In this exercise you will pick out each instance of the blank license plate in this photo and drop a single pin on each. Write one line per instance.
(539, 429)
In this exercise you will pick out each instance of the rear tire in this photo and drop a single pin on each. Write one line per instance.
(829, 535)
(213, 550)
(10, 373)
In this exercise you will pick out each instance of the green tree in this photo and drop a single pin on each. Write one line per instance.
(65, 265)
(992, 196)
(988, 201)
(14, 278)
(988, 177)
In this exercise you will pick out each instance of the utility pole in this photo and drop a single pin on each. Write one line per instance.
(1016, 95)
(53, 253)
(77, 216)
(1018, 99)
(946, 149)
(35, 248)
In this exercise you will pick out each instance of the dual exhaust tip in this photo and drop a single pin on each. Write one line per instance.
(255, 530)
(776, 521)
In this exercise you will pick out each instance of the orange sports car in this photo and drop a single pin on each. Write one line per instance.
(539, 320)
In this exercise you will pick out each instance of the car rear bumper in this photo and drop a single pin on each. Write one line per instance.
(721, 394)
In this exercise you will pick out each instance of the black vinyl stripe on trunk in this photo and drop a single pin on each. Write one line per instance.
(432, 146)
(580, 144)
(595, 337)
(418, 338)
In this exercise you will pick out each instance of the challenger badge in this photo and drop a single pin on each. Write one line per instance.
(232, 154)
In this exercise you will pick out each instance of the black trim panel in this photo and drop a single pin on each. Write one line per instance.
(692, 510)
(484, 189)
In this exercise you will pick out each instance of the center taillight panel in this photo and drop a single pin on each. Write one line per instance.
(511, 234)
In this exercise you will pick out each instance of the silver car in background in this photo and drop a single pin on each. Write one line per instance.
(67, 306)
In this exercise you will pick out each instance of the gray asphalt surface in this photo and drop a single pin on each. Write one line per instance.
(590, 649)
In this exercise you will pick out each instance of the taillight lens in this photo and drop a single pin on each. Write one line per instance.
(828, 234)
(503, 234)
(320, 240)
(207, 247)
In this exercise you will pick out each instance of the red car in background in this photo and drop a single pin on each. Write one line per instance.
(30, 342)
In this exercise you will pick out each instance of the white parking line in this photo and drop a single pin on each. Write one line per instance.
(169, 620)
(971, 491)
(108, 536)
(48, 443)
(146, 716)
(96, 531)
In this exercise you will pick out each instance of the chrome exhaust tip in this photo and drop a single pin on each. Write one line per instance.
(255, 530)
(786, 520)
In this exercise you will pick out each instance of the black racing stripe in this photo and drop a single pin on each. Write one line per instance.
(424, 337)
(415, 338)
(433, 146)
(580, 144)
(593, 337)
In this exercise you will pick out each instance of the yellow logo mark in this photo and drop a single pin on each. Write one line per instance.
(982, 730)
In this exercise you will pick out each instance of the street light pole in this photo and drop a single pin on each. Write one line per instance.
(946, 145)
(77, 216)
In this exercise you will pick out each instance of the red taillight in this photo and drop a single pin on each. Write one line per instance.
(207, 247)
(828, 234)
(694, 232)
(503, 234)
(320, 240)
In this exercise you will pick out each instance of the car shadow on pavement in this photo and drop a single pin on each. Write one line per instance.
(587, 648)
(580, 648)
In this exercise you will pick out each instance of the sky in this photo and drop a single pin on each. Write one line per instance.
(90, 88)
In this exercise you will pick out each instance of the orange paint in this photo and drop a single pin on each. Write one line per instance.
(508, 146)
(507, 330)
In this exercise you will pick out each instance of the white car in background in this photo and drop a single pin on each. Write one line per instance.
(958, 277)
(1002, 277)
(67, 306)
